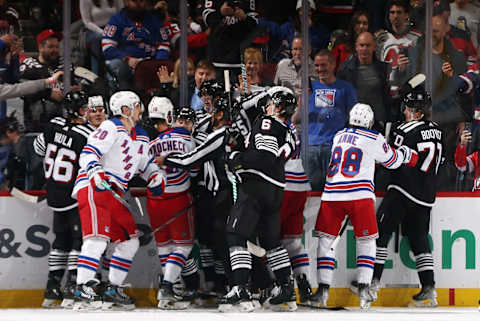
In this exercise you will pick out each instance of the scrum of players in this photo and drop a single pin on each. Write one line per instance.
(229, 178)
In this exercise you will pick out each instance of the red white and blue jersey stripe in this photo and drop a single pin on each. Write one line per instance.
(176, 140)
(120, 154)
(295, 178)
(352, 164)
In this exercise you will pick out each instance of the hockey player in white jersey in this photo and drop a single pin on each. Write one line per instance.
(174, 241)
(349, 190)
(109, 160)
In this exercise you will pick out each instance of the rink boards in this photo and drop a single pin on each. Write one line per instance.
(26, 236)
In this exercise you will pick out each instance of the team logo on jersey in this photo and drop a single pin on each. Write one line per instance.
(325, 97)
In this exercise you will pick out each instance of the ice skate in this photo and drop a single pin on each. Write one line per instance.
(53, 297)
(320, 298)
(373, 289)
(426, 298)
(364, 296)
(283, 297)
(304, 289)
(69, 295)
(237, 300)
(169, 300)
(86, 298)
(115, 298)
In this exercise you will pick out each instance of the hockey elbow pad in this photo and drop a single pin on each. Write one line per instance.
(156, 183)
(96, 176)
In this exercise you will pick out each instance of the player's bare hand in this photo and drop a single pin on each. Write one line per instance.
(402, 62)
(56, 94)
(447, 69)
(240, 14)
(163, 75)
(132, 62)
(465, 138)
(160, 160)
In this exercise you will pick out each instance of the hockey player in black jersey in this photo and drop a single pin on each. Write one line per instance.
(211, 219)
(411, 194)
(60, 144)
(261, 171)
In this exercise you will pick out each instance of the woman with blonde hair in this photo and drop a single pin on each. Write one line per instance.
(253, 65)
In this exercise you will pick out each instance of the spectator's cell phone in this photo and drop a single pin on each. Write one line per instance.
(403, 51)
(468, 126)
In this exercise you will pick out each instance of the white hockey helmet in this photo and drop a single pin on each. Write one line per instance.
(125, 98)
(361, 115)
(95, 101)
(162, 108)
(275, 89)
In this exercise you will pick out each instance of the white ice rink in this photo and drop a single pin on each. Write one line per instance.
(303, 314)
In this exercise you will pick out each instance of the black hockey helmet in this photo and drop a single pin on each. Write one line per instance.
(186, 113)
(417, 99)
(286, 100)
(73, 101)
(211, 88)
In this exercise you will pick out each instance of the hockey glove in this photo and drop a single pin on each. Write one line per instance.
(96, 176)
(410, 157)
(156, 183)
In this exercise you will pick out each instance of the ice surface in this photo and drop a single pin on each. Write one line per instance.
(303, 314)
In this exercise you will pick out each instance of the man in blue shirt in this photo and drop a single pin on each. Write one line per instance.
(329, 104)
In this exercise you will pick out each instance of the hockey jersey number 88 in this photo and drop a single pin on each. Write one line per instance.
(352, 164)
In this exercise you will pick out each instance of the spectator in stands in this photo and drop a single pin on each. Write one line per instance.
(447, 62)
(466, 15)
(289, 70)
(10, 55)
(95, 15)
(9, 19)
(42, 106)
(234, 26)
(391, 42)
(459, 38)
(197, 39)
(22, 169)
(176, 71)
(130, 36)
(285, 33)
(369, 75)
(203, 71)
(360, 23)
(329, 105)
(253, 65)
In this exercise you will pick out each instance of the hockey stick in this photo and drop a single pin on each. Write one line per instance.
(108, 187)
(337, 239)
(137, 200)
(15, 192)
(177, 215)
(251, 247)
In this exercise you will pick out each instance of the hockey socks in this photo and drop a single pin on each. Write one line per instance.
(89, 259)
(325, 260)
(121, 260)
(279, 262)
(365, 260)
(241, 262)
(380, 258)
(424, 263)
(57, 263)
(298, 255)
